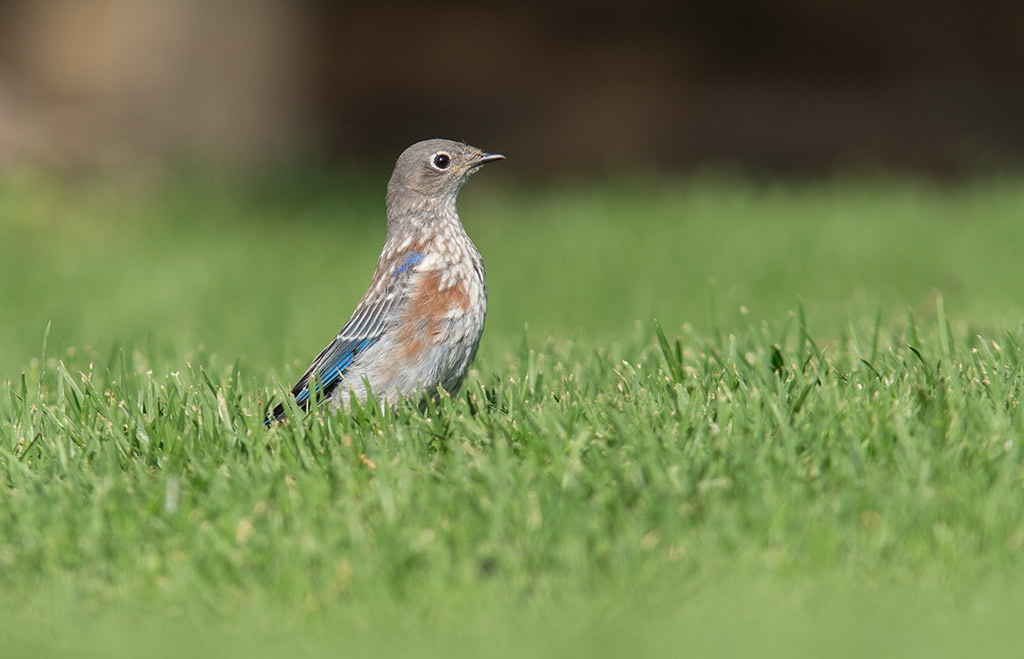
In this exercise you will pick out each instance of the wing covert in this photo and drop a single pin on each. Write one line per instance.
(368, 323)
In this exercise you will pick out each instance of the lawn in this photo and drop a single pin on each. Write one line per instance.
(710, 416)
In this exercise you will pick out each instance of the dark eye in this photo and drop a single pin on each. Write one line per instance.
(442, 160)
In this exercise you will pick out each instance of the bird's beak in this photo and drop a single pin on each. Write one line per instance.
(485, 158)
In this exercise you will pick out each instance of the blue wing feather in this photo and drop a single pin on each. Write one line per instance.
(368, 323)
(338, 357)
(411, 259)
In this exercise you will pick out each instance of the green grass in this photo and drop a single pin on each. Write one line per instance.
(817, 453)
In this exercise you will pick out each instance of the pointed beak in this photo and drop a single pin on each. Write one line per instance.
(485, 158)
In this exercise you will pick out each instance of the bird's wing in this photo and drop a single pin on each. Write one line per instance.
(368, 323)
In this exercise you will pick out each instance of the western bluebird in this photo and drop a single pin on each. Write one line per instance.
(418, 326)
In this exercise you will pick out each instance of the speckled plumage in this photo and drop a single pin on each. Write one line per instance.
(418, 326)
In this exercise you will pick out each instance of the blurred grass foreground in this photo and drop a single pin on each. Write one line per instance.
(818, 452)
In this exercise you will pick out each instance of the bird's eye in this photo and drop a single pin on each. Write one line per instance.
(442, 160)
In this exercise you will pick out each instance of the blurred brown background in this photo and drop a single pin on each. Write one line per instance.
(780, 85)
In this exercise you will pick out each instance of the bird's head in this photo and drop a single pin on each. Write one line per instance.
(434, 170)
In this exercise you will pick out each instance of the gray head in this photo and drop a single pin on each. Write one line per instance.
(432, 171)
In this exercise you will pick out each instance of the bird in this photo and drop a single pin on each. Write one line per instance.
(418, 326)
